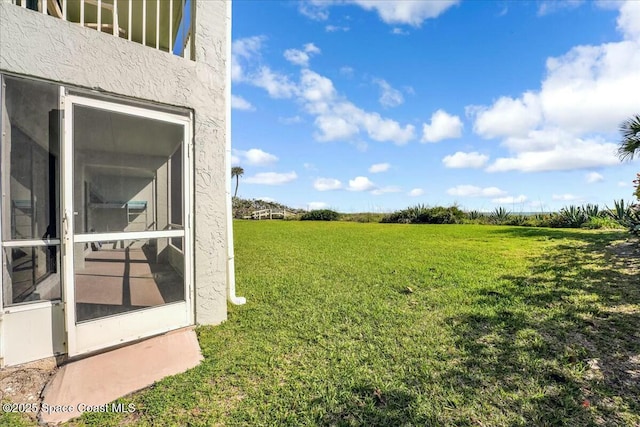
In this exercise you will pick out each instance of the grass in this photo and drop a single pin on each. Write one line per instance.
(381, 324)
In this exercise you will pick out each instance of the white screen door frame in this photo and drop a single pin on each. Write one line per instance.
(89, 336)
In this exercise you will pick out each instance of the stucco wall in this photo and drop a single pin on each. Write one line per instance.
(32, 44)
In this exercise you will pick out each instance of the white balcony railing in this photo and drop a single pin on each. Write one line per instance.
(165, 25)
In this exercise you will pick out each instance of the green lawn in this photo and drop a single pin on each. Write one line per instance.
(383, 324)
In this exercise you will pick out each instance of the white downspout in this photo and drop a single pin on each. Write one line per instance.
(231, 272)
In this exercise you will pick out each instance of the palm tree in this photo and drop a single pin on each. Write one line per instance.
(630, 145)
(236, 172)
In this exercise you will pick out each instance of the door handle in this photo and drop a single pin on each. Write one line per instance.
(65, 226)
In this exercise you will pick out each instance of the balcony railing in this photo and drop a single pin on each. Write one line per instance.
(165, 25)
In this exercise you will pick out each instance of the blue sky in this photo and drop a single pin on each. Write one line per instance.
(361, 105)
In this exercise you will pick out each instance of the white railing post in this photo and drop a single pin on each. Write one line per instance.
(115, 18)
(170, 26)
(130, 18)
(82, 12)
(100, 15)
(144, 22)
(43, 6)
(64, 9)
(157, 24)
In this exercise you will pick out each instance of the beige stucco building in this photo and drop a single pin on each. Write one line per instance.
(114, 158)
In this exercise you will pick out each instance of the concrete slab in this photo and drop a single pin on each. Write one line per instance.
(100, 379)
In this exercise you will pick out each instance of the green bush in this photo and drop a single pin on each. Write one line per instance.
(421, 214)
(574, 216)
(598, 222)
(320, 215)
(499, 216)
(364, 217)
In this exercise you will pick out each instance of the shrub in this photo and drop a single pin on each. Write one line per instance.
(499, 215)
(517, 220)
(421, 214)
(473, 215)
(598, 222)
(362, 217)
(574, 216)
(320, 215)
(554, 220)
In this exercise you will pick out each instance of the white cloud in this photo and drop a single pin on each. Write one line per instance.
(254, 157)
(583, 97)
(317, 205)
(311, 48)
(406, 12)
(547, 7)
(309, 166)
(334, 128)
(623, 184)
(507, 116)
(473, 191)
(360, 183)
(443, 126)
(290, 120)
(239, 103)
(327, 184)
(399, 31)
(629, 20)
(336, 118)
(379, 167)
(235, 160)
(297, 57)
(575, 154)
(390, 11)
(343, 120)
(387, 189)
(465, 160)
(244, 50)
(389, 97)
(301, 57)
(272, 178)
(593, 177)
(416, 192)
(346, 71)
(316, 89)
(510, 199)
(277, 85)
(315, 10)
(565, 197)
(335, 28)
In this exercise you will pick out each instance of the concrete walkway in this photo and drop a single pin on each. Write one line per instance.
(92, 383)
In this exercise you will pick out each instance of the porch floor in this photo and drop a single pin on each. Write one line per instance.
(100, 379)
(116, 281)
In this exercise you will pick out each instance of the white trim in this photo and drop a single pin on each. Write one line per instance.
(127, 235)
(187, 220)
(128, 109)
(87, 336)
(114, 330)
(66, 201)
(3, 261)
(29, 305)
(30, 243)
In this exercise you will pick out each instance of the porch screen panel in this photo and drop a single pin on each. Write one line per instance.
(123, 174)
(30, 182)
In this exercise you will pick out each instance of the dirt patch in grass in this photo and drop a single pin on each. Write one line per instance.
(627, 253)
(23, 384)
